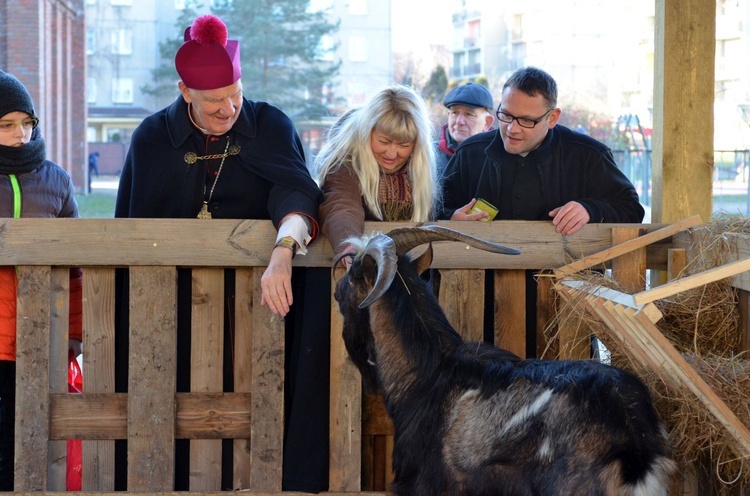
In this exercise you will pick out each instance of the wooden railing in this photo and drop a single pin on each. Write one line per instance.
(151, 415)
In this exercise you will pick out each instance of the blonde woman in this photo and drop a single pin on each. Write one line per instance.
(378, 164)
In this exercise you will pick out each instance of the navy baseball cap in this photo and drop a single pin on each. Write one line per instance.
(469, 95)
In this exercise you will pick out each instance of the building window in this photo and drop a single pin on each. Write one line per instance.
(90, 41)
(358, 7)
(121, 2)
(119, 135)
(358, 49)
(326, 47)
(357, 94)
(320, 5)
(91, 90)
(90, 2)
(122, 42)
(122, 90)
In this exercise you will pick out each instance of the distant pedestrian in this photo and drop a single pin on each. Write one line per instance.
(94, 164)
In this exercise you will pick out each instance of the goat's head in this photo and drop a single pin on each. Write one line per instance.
(374, 266)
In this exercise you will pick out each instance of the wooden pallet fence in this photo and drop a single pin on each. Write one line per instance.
(151, 416)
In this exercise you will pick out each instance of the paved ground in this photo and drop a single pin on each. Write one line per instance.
(105, 184)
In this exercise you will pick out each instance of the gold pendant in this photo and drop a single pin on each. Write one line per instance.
(204, 213)
(191, 158)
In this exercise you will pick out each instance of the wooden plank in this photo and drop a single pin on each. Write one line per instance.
(614, 330)
(650, 344)
(739, 248)
(92, 416)
(211, 493)
(213, 415)
(151, 381)
(268, 395)
(690, 282)
(246, 243)
(58, 370)
(206, 363)
(32, 378)
(243, 366)
(624, 299)
(510, 310)
(345, 452)
(99, 364)
(629, 269)
(610, 253)
(89, 416)
(462, 300)
(676, 263)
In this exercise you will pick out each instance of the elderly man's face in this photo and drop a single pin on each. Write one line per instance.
(464, 122)
(217, 110)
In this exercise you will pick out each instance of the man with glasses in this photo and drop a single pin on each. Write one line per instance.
(532, 168)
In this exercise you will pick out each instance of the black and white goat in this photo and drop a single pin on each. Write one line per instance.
(472, 419)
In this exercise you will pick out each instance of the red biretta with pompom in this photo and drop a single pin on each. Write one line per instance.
(208, 60)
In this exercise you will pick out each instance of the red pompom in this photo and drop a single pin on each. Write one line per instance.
(209, 29)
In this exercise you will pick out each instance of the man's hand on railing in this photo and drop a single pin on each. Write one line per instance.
(276, 281)
(569, 218)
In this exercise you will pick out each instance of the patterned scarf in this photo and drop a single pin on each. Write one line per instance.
(21, 159)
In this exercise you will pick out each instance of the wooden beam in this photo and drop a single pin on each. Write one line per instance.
(620, 298)
(626, 247)
(694, 281)
(683, 147)
(248, 243)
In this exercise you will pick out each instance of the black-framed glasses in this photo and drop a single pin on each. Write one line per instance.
(522, 121)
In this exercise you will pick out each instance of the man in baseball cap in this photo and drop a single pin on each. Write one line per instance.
(469, 112)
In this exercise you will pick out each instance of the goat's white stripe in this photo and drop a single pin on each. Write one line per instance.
(528, 411)
(545, 453)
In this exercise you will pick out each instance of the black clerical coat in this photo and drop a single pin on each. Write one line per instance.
(266, 180)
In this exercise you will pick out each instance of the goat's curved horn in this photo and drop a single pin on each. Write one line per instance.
(406, 238)
(382, 249)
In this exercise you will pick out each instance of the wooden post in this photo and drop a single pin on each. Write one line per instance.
(345, 457)
(151, 366)
(510, 310)
(99, 342)
(684, 54)
(206, 369)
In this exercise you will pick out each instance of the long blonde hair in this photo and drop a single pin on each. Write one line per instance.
(399, 112)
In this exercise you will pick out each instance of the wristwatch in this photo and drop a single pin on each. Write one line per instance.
(288, 242)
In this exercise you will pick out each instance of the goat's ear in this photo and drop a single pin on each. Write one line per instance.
(423, 261)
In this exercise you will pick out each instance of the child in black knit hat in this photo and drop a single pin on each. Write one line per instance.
(30, 186)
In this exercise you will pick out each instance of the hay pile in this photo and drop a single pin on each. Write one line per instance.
(704, 325)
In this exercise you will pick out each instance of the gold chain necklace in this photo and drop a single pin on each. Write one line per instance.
(191, 158)
(204, 213)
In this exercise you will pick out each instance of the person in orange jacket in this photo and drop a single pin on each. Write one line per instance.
(30, 186)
